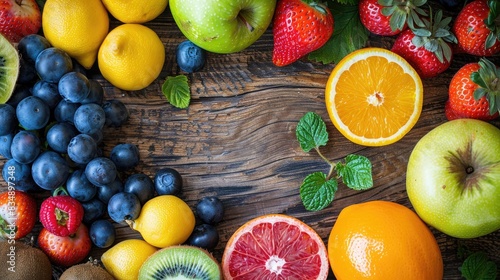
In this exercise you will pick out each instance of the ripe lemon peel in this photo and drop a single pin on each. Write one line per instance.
(79, 31)
(164, 221)
(135, 11)
(362, 74)
(127, 49)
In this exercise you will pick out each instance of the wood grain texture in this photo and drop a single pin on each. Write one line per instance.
(237, 139)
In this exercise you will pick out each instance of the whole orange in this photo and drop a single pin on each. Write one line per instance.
(383, 240)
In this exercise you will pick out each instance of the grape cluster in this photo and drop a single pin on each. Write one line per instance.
(51, 131)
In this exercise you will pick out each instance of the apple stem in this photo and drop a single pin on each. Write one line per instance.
(247, 24)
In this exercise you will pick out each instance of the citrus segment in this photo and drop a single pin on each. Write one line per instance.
(383, 240)
(374, 97)
(275, 247)
(78, 31)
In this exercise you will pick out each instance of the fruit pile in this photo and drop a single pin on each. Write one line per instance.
(51, 133)
(52, 137)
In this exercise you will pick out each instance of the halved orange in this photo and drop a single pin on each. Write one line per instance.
(374, 96)
(275, 246)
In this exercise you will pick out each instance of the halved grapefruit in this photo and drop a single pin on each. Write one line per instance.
(275, 246)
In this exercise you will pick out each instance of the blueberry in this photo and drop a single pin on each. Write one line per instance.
(52, 63)
(20, 92)
(210, 210)
(124, 206)
(33, 113)
(125, 156)
(27, 72)
(74, 87)
(48, 92)
(105, 192)
(190, 57)
(82, 148)
(50, 170)
(204, 236)
(5, 143)
(102, 233)
(100, 171)
(141, 185)
(168, 181)
(59, 136)
(89, 118)
(98, 136)
(8, 119)
(116, 113)
(451, 3)
(18, 175)
(79, 187)
(92, 210)
(96, 93)
(31, 45)
(65, 111)
(25, 147)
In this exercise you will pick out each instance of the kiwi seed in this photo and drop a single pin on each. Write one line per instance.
(180, 262)
(9, 69)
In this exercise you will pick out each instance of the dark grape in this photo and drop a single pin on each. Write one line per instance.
(141, 185)
(52, 63)
(82, 149)
(124, 206)
(204, 236)
(25, 147)
(101, 171)
(59, 136)
(33, 113)
(102, 233)
(210, 210)
(125, 156)
(79, 187)
(47, 92)
(8, 119)
(89, 118)
(74, 87)
(116, 113)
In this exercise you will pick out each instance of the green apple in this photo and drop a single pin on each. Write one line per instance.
(453, 178)
(222, 26)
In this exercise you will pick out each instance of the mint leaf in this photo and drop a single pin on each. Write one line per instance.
(317, 192)
(478, 267)
(311, 132)
(176, 90)
(349, 34)
(356, 173)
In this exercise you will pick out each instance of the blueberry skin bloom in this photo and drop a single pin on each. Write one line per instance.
(100, 171)
(89, 118)
(25, 147)
(52, 63)
(33, 113)
(8, 120)
(74, 87)
(190, 57)
(50, 170)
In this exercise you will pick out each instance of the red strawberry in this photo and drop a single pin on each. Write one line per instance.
(474, 91)
(300, 27)
(61, 214)
(17, 214)
(475, 28)
(385, 19)
(19, 18)
(427, 49)
(65, 250)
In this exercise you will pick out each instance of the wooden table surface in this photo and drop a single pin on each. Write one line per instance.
(237, 139)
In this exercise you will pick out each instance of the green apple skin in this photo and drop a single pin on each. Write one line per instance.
(222, 26)
(453, 178)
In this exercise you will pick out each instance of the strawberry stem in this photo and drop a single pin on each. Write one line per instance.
(62, 217)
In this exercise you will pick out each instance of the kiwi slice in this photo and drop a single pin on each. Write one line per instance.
(9, 69)
(90, 270)
(180, 262)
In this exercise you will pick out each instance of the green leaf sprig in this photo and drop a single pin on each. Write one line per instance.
(176, 90)
(478, 266)
(318, 189)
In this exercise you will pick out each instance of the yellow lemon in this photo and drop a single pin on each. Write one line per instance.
(165, 220)
(124, 260)
(76, 26)
(135, 11)
(131, 56)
